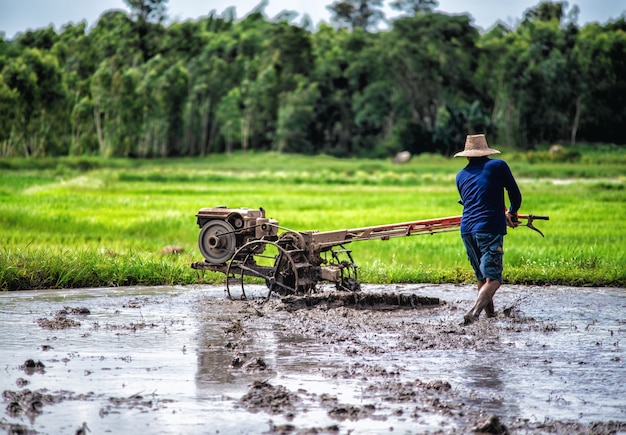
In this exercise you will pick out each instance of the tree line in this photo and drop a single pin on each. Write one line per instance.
(133, 86)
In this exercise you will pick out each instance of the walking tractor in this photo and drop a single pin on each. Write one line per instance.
(251, 249)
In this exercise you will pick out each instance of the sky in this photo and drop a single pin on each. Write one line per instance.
(20, 15)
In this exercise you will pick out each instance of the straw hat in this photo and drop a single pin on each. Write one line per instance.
(476, 146)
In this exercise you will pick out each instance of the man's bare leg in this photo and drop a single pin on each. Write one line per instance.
(490, 310)
(483, 301)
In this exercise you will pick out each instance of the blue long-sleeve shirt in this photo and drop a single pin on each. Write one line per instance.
(481, 185)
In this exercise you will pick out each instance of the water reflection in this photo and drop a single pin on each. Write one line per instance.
(214, 356)
(482, 374)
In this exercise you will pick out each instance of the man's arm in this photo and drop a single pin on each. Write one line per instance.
(515, 198)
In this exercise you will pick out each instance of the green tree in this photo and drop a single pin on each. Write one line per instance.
(185, 40)
(260, 107)
(113, 35)
(334, 121)
(296, 117)
(77, 57)
(20, 88)
(541, 81)
(601, 53)
(212, 74)
(229, 115)
(546, 11)
(275, 71)
(42, 39)
(259, 64)
(373, 96)
(174, 90)
(9, 100)
(211, 79)
(39, 122)
(413, 7)
(432, 59)
(148, 17)
(83, 135)
(117, 105)
(291, 53)
(490, 80)
(363, 14)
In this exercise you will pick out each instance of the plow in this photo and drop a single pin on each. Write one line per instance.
(251, 249)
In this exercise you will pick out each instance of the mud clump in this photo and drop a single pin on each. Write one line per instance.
(60, 319)
(21, 382)
(350, 412)
(263, 396)
(31, 366)
(289, 429)
(235, 328)
(342, 412)
(16, 429)
(30, 403)
(492, 426)
(135, 402)
(80, 311)
(27, 402)
(57, 323)
(252, 365)
(358, 300)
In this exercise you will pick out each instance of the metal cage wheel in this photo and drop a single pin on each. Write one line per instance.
(263, 262)
(349, 280)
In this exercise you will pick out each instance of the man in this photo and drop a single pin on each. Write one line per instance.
(481, 185)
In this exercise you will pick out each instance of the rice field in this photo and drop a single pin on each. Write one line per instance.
(90, 222)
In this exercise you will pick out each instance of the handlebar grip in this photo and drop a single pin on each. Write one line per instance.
(544, 218)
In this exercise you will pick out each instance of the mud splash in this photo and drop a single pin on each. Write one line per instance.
(389, 359)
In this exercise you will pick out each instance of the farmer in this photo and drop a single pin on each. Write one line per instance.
(481, 185)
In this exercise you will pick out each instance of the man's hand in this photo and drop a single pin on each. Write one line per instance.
(511, 219)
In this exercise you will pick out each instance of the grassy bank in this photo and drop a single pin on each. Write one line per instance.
(68, 223)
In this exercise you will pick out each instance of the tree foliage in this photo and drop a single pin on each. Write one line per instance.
(413, 7)
(357, 14)
(133, 85)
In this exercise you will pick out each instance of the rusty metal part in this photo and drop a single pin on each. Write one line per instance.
(247, 247)
(262, 262)
(344, 271)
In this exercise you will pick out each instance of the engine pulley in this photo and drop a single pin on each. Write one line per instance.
(217, 241)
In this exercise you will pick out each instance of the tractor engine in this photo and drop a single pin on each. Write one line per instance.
(224, 230)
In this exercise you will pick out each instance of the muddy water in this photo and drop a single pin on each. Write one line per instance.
(187, 360)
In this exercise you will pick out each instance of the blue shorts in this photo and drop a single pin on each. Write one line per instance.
(485, 252)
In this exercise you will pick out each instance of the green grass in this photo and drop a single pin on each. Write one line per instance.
(90, 222)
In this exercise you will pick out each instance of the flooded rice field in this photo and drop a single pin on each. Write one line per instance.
(395, 359)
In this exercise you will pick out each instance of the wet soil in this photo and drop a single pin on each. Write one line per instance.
(392, 359)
